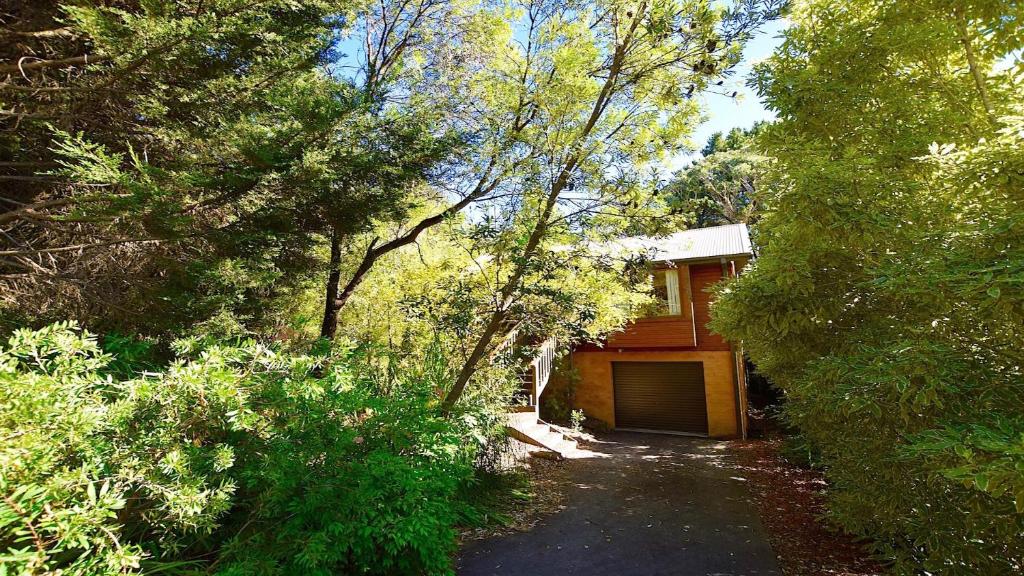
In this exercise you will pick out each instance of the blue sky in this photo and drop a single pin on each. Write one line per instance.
(725, 113)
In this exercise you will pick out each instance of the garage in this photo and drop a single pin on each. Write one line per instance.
(663, 396)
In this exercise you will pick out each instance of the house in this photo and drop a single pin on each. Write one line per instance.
(666, 371)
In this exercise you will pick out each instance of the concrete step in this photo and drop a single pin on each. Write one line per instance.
(526, 427)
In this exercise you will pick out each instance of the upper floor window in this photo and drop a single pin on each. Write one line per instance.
(666, 294)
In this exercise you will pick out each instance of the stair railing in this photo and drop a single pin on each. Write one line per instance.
(539, 369)
(543, 365)
(506, 347)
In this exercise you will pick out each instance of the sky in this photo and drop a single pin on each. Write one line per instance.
(725, 113)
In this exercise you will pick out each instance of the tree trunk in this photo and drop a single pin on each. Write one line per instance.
(501, 312)
(330, 323)
(372, 254)
(559, 184)
(469, 368)
(972, 64)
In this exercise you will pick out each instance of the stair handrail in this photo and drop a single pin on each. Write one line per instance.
(507, 343)
(543, 365)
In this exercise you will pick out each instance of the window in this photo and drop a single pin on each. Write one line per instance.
(666, 294)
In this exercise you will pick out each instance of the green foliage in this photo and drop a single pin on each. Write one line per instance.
(234, 451)
(576, 419)
(887, 299)
(216, 154)
(797, 450)
(560, 394)
(721, 187)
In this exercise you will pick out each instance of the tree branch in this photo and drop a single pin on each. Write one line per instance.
(82, 246)
(22, 66)
(30, 208)
(66, 32)
(979, 80)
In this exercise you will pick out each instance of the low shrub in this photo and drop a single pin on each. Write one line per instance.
(576, 419)
(232, 460)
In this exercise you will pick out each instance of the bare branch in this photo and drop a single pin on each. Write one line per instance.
(23, 66)
(81, 247)
(64, 32)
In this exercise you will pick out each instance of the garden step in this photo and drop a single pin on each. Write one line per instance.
(526, 427)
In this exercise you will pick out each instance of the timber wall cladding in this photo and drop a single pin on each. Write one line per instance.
(703, 277)
(595, 391)
(661, 332)
(678, 331)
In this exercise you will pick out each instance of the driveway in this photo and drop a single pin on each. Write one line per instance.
(639, 504)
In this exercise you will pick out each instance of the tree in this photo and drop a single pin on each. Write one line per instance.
(314, 145)
(404, 73)
(721, 187)
(609, 87)
(134, 135)
(886, 298)
(495, 155)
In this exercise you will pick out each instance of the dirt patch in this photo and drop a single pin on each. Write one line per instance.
(534, 488)
(791, 500)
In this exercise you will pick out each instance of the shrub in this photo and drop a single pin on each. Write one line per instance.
(576, 419)
(234, 459)
(887, 299)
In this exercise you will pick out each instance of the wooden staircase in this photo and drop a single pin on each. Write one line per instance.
(524, 423)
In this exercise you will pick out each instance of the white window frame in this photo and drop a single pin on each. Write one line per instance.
(675, 307)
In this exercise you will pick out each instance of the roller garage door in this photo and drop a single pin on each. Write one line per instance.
(660, 396)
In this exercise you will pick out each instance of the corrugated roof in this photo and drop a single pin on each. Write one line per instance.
(729, 240)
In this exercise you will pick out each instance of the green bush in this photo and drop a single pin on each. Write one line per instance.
(799, 451)
(233, 460)
(887, 300)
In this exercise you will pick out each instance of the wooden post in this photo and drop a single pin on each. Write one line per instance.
(687, 294)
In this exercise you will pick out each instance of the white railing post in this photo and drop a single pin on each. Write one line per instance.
(542, 366)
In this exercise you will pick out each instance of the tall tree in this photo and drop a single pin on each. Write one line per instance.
(180, 184)
(609, 85)
(721, 186)
(886, 301)
(133, 132)
(483, 170)
(404, 71)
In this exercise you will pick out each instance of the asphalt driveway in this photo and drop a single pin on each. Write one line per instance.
(639, 504)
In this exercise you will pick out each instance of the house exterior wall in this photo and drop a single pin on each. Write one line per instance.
(682, 338)
(662, 331)
(703, 277)
(687, 331)
(595, 394)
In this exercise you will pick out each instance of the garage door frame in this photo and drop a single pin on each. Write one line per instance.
(660, 430)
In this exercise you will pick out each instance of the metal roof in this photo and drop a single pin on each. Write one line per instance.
(695, 244)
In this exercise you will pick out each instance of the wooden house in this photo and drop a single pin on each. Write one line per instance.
(667, 371)
(664, 372)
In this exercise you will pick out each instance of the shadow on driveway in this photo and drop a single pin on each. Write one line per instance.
(639, 504)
